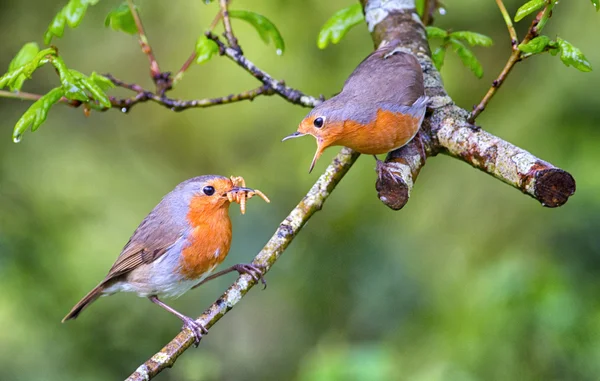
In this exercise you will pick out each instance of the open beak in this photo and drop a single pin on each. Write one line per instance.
(294, 135)
(320, 149)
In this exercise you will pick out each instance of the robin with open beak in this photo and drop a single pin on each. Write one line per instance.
(380, 108)
(178, 245)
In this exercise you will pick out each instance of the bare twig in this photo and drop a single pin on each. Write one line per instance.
(33, 97)
(515, 56)
(283, 236)
(125, 104)
(146, 48)
(290, 94)
(227, 25)
(514, 40)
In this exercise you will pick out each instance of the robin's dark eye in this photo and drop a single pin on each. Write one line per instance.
(319, 122)
(209, 191)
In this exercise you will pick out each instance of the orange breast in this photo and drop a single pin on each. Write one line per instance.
(209, 241)
(389, 131)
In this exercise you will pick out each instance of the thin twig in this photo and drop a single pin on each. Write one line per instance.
(514, 40)
(283, 236)
(429, 8)
(192, 57)
(146, 48)
(515, 56)
(233, 42)
(288, 93)
(125, 104)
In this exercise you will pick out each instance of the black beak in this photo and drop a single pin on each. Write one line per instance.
(294, 135)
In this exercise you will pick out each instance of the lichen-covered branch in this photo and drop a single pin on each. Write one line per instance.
(446, 128)
(283, 236)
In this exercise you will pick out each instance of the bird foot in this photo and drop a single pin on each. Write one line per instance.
(197, 329)
(255, 271)
(383, 170)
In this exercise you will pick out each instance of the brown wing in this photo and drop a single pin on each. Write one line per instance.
(151, 239)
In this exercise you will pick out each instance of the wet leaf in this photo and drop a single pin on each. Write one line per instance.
(536, 45)
(15, 78)
(37, 113)
(121, 19)
(339, 24)
(23, 57)
(438, 56)
(71, 14)
(266, 29)
(572, 56)
(70, 84)
(205, 49)
(473, 38)
(435, 32)
(528, 8)
(596, 3)
(467, 57)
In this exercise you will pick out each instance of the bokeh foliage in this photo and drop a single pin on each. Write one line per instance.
(471, 280)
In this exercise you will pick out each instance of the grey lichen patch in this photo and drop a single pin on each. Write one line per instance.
(377, 10)
(142, 373)
(160, 358)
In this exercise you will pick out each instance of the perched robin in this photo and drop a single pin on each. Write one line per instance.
(380, 108)
(178, 245)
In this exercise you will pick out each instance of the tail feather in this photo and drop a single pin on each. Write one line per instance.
(84, 302)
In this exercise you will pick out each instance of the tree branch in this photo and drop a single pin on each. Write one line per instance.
(233, 42)
(447, 130)
(292, 95)
(146, 48)
(283, 236)
(515, 56)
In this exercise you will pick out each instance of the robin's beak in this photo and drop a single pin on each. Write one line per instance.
(294, 135)
(320, 148)
(239, 189)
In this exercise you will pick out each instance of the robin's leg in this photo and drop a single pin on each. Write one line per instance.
(197, 329)
(242, 268)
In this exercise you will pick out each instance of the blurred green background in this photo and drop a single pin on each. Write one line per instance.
(472, 280)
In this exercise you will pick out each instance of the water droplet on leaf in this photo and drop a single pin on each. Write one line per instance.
(279, 52)
(17, 138)
(442, 11)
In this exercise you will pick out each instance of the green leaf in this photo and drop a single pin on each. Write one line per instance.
(473, 38)
(91, 86)
(571, 56)
(15, 77)
(536, 45)
(528, 8)
(339, 24)
(467, 57)
(101, 81)
(420, 7)
(121, 18)
(265, 28)
(23, 57)
(205, 49)
(71, 14)
(596, 4)
(438, 56)
(435, 32)
(69, 81)
(37, 113)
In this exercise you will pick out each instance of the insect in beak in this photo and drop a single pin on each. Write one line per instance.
(241, 194)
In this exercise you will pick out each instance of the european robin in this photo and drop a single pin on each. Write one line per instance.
(380, 108)
(178, 245)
